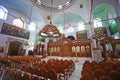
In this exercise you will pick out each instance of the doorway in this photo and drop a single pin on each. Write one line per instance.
(14, 48)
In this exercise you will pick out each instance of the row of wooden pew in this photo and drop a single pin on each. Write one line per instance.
(104, 70)
(20, 68)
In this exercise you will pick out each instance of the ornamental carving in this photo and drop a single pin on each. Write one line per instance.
(50, 30)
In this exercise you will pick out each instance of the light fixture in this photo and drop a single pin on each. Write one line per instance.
(38, 1)
(43, 34)
(80, 5)
(50, 30)
(67, 3)
(60, 7)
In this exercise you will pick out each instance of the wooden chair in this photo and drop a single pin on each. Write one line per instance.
(42, 72)
(105, 78)
(12, 74)
(86, 70)
(18, 75)
(98, 73)
(94, 63)
(96, 67)
(114, 75)
(118, 69)
(26, 76)
(61, 72)
(88, 66)
(107, 69)
(34, 77)
(51, 74)
(88, 76)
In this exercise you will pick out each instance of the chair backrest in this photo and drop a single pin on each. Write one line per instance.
(98, 73)
(51, 74)
(86, 63)
(114, 75)
(26, 76)
(18, 75)
(34, 77)
(86, 70)
(60, 69)
(118, 69)
(43, 72)
(107, 69)
(105, 78)
(88, 76)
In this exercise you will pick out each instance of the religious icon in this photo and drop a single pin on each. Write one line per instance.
(73, 48)
(82, 49)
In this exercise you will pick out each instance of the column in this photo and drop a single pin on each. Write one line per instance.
(91, 35)
(45, 45)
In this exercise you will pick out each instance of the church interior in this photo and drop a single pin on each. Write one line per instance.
(59, 39)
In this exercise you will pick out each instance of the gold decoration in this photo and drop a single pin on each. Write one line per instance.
(80, 5)
(48, 17)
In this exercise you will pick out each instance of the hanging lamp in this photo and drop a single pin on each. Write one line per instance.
(50, 30)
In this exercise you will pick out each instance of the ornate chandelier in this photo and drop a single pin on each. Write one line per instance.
(50, 30)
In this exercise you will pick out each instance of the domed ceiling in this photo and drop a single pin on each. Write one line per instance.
(55, 5)
(102, 11)
(69, 17)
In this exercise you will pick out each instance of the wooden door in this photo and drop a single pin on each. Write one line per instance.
(14, 48)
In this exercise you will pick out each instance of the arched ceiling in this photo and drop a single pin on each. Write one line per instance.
(18, 4)
(27, 5)
(102, 11)
(68, 18)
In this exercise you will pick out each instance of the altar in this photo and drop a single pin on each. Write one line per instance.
(70, 48)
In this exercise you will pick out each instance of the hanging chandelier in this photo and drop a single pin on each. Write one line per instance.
(50, 30)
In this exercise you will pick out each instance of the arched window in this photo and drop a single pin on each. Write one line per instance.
(97, 23)
(31, 27)
(81, 26)
(3, 13)
(60, 29)
(31, 45)
(110, 16)
(18, 22)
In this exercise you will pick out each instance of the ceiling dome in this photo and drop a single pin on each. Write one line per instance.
(55, 5)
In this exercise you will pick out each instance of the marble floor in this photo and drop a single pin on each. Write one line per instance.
(78, 65)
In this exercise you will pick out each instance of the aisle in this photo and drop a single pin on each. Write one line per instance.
(78, 65)
(77, 72)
